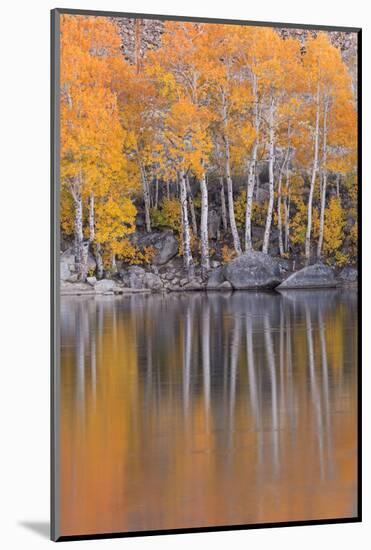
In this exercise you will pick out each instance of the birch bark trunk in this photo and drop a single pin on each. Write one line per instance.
(79, 245)
(146, 197)
(223, 205)
(324, 182)
(113, 263)
(99, 260)
(91, 219)
(156, 193)
(279, 203)
(313, 180)
(204, 233)
(271, 178)
(98, 251)
(192, 208)
(287, 209)
(252, 171)
(186, 237)
(232, 219)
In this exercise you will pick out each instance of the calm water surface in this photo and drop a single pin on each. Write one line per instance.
(189, 410)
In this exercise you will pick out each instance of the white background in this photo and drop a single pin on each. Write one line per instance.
(24, 256)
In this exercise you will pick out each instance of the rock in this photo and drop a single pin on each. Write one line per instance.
(105, 285)
(75, 289)
(67, 263)
(91, 280)
(194, 284)
(226, 285)
(73, 278)
(313, 276)
(164, 243)
(65, 271)
(348, 275)
(253, 270)
(285, 265)
(183, 281)
(153, 282)
(216, 277)
(214, 264)
(133, 277)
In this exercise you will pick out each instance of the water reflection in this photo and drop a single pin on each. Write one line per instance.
(193, 410)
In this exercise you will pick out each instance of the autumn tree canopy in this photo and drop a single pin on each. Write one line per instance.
(219, 120)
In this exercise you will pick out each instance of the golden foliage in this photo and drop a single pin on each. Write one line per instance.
(121, 128)
(228, 254)
(333, 233)
(168, 215)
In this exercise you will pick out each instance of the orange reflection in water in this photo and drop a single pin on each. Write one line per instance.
(200, 410)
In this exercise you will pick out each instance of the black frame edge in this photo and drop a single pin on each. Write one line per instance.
(359, 342)
(55, 275)
(103, 13)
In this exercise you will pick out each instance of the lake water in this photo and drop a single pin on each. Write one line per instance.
(194, 409)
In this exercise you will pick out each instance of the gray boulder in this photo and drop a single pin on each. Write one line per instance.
(67, 263)
(91, 280)
(226, 285)
(348, 275)
(65, 271)
(313, 276)
(105, 285)
(253, 270)
(216, 277)
(164, 243)
(153, 282)
(133, 277)
(194, 284)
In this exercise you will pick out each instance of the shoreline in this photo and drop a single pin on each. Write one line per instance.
(126, 291)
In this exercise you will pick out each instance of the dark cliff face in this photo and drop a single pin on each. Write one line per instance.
(151, 31)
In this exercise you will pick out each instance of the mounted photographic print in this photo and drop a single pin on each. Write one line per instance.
(205, 309)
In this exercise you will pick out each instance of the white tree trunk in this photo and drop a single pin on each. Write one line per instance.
(113, 263)
(146, 197)
(156, 193)
(91, 218)
(205, 262)
(279, 216)
(186, 235)
(252, 170)
(223, 205)
(232, 219)
(287, 210)
(249, 197)
(192, 208)
(98, 252)
(324, 182)
(80, 246)
(99, 260)
(279, 203)
(313, 180)
(268, 222)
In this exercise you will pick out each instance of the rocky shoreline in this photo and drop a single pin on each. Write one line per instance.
(250, 271)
